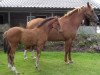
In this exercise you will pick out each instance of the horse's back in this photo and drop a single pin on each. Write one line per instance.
(14, 30)
(53, 35)
(31, 24)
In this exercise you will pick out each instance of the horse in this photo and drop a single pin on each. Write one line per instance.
(29, 37)
(69, 24)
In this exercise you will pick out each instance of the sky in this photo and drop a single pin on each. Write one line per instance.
(98, 28)
(98, 1)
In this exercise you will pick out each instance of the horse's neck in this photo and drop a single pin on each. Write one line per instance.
(75, 18)
(79, 17)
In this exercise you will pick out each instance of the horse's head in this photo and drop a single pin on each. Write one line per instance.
(90, 14)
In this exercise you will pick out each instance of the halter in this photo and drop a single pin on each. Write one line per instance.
(90, 17)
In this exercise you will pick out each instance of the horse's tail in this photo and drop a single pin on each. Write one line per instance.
(6, 43)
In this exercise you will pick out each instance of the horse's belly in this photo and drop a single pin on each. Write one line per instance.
(28, 40)
(54, 35)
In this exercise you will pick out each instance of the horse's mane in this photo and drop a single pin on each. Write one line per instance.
(46, 20)
(71, 12)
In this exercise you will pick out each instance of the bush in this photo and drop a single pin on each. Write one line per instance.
(85, 42)
(82, 43)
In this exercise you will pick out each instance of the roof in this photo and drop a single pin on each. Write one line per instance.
(47, 3)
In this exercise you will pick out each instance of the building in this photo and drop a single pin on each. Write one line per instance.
(19, 12)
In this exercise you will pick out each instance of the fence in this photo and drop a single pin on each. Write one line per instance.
(82, 43)
(3, 27)
(86, 40)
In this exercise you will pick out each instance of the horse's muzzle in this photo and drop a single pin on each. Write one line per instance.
(96, 19)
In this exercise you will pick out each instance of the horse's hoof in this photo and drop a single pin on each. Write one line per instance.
(34, 58)
(37, 68)
(9, 66)
(69, 62)
(17, 73)
(25, 58)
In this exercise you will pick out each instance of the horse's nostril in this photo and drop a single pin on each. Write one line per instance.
(98, 23)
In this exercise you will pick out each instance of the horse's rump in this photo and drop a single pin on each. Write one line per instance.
(6, 43)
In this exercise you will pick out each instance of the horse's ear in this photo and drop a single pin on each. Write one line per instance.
(82, 7)
(88, 4)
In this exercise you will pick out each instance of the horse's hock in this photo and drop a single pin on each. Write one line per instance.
(3, 28)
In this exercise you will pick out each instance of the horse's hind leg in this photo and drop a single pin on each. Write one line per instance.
(39, 48)
(11, 54)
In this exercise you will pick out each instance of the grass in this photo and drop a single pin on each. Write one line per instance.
(52, 63)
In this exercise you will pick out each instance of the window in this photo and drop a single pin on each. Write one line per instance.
(41, 16)
(1, 19)
(30, 18)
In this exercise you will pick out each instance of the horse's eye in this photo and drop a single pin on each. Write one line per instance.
(92, 11)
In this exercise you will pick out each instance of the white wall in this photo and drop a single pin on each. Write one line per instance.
(87, 30)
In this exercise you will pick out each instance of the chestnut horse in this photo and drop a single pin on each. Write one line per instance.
(69, 24)
(29, 37)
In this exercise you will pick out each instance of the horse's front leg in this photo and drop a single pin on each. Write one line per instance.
(33, 52)
(68, 45)
(25, 54)
(69, 54)
(39, 48)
